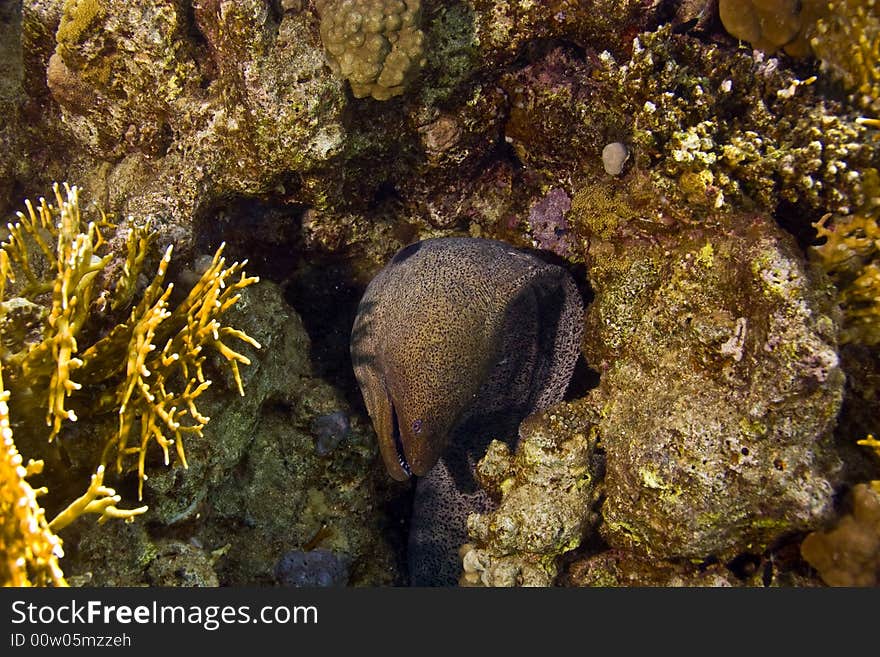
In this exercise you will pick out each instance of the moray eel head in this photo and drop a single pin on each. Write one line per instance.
(454, 328)
(421, 381)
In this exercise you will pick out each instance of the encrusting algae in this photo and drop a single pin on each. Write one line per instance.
(59, 355)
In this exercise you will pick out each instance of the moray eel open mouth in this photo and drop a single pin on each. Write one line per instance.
(398, 444)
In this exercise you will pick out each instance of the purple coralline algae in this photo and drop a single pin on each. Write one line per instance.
(548, 224)
(330, 430)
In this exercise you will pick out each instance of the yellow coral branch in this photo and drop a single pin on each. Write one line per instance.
(142, 382)
(851, 256)
(29, 550)
(98, 499)
(137, 245)
(874, 444)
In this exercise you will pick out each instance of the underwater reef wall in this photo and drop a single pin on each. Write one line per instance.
(257, 486)
(730, 251)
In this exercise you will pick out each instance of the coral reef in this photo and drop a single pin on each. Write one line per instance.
(30, 548)
(851, 257)
(717, 129)
(849, 554)
(377, 45)
(847, 41)
(717, 349)
(547, 491)
(716, 346)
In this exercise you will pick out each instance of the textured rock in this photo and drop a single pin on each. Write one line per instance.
(621, 568)
(547, 492)
(153, 108)
(549, 226)
(119, 70)
(181, 564)
(314, 568)
(719, 366)
(504, 29)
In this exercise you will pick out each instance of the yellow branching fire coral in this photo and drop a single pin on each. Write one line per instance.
(847, 41)
(73, 342)
(874, 444)
(30, 550)
(851, 257)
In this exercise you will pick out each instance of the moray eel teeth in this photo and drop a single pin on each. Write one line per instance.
(398, 446)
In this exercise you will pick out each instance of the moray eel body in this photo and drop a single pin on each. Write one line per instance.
(456, 341)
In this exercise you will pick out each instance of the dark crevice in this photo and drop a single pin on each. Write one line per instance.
(322, 291)
(798, 222)
(265, 233)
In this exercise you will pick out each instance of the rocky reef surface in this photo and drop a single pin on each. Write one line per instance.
(730, 361)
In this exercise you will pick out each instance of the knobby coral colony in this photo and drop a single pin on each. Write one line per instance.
(376, 45)
(51, 301)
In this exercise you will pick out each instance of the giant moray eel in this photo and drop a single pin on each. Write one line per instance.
(456, 341)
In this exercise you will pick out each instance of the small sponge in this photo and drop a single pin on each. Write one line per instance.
(375, 44)
(766, 24)
(849, 554)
